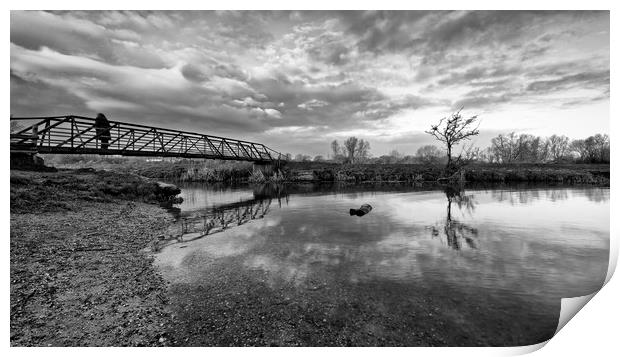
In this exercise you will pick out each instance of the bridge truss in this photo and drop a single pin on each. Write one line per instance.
(74, 134)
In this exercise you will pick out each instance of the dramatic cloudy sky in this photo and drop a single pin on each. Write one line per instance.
(297, 80)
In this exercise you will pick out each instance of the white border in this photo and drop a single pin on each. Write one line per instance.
(593, 331)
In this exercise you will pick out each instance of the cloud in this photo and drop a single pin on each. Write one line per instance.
(381, 31)
(307, 104)
(312, 103)
(193, 73)
(50, 100)
(134, 93)
(388, 107)
(244, 28)
(324, 42)
(306, 75)
(483, 101)
(597, 79)
(493, 94)
(273, 113)
(35, 29)
(478, 76)
(67, 34)
(434, 32)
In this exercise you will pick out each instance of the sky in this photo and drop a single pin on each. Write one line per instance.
(296, 80)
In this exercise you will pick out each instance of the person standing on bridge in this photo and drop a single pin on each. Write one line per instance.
(102, 127)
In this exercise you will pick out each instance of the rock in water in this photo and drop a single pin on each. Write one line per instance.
(166, 192)
(364, 209)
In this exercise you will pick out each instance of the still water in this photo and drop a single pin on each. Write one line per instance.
(288, 265)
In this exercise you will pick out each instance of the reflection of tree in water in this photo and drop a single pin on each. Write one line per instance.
(525, 196)
(219, 218)
(517, 196)
(454, 231)
(597, 194)
(556, 195)
(271, 191)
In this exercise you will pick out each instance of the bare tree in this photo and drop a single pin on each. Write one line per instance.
(352, 150)
(450, 131)
(471, 153)
(335, 149)
(350, 145)
(501, 148)
(395, 154)
(428, 154)
(578, 146)
(558, 146)
(597, 148)
(302, 158)
(518, 148)
(362, 150)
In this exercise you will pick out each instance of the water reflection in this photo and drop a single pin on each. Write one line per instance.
(525, 195)
(312, 230)
(508, 254)
(597, 194)
(202, 222)
(454, 231)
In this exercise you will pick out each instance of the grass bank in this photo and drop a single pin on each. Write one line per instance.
(237, 172)
(80, 273)
(184, 170)
(40, 192)
(477, 173)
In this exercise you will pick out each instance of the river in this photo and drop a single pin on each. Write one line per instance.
(289, 265)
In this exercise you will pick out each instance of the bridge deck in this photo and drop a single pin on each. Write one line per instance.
(74, 134)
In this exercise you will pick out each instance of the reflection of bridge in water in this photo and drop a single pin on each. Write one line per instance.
(198, 224)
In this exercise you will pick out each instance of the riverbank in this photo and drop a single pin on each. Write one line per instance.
(329, 172)
(475, 173)
(212, 171)
(80, 273)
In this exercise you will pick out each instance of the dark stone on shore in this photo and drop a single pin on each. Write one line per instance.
(166, 193)
(29, 162)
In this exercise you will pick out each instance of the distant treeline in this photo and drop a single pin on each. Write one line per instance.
(504, 149)
(172, 169)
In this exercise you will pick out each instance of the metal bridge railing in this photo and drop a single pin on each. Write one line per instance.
(74, 134)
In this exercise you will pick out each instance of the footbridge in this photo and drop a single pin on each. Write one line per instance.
(73, 134)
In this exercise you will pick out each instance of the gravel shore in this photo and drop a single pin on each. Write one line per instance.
(81, 270)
